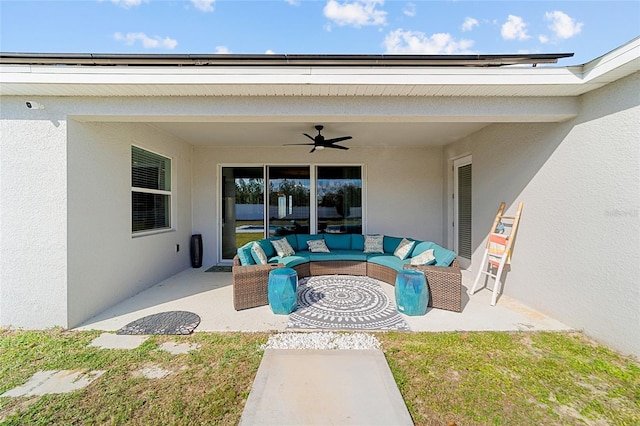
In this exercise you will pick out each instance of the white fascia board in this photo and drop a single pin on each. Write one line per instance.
(320, 75)
(618, 63)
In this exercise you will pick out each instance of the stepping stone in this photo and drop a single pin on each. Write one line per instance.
(55, 381)
(178, 348)
(114, 341)
(153, 372)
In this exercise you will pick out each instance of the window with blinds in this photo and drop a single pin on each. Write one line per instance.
(464, 211)
(150, 191)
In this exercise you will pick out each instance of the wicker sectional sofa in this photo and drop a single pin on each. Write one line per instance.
(346, 257)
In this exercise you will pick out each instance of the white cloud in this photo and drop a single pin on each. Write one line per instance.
(543, 39)
(562, 24)
(356, 13)
(293, 2)
(514, 29)
(128, 3)
(400, 41)
(203, 5)
(269, 52)
(409, 9)
(222, 50)
(469, 23)
(147, 42)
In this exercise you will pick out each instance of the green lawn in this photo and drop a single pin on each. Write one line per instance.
(466, 378)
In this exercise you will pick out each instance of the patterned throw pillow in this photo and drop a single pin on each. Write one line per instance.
(317, 246)
(258, 254)
(424, 258)
(403, 249)
(283, 248)
(373, 244)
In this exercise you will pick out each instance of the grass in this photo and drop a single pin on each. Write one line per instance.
(466, 378)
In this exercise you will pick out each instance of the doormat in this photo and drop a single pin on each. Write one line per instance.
(219, 269)
(344, 302)
(172, 322)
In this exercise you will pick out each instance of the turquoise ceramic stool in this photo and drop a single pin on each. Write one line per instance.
(412, 293)
(283, 283)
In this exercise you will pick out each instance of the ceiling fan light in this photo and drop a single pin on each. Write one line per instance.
(319, 147)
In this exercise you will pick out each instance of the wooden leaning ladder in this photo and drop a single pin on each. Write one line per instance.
(498, 251)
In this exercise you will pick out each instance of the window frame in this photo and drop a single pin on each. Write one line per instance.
(169, 193)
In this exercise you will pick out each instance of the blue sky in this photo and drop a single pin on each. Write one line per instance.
(587, 28)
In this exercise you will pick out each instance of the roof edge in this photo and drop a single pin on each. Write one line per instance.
(399, 60)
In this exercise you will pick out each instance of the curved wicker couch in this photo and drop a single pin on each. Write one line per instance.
(250, 281)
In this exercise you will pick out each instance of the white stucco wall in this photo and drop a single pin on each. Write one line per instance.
(403, 187)
(33, 217)
(106, 264)
(65, 197)
(577, 252)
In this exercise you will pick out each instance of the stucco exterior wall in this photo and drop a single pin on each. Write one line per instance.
(402, 187)
(106, 264)
(33, 218)
(577, 252)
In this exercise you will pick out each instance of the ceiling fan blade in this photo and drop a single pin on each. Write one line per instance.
(334, 140)
(313, 139)
(337, 147)
(312, 149)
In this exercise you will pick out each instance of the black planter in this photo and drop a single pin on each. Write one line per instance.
(196, 251)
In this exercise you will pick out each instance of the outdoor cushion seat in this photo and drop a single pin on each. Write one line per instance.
(390, 261)
(291, 261)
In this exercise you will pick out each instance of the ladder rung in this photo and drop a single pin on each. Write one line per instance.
(489, 273)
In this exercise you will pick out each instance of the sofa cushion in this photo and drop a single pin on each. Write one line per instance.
(424, 258)
(373, 244)
(291, 261)
(303, 238)
(244, 254)
(339, 255)
(338, 241)
(293, 241)
(388, 260)
(421, 246)
(282, 247)
(266, 246)
(357, 242)
(390, 244)
(258, 254)
(444, 257)
(317, 246)
(404, 249)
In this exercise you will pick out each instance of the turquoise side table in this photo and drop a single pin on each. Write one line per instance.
(412, 293)
(281, 290)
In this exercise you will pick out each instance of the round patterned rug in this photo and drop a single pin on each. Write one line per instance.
(344, 302)
(172, 322)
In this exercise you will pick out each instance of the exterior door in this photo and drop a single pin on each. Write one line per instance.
(462, 210)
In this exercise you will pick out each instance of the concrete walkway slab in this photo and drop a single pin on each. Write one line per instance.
(54, 381)
(324, 387)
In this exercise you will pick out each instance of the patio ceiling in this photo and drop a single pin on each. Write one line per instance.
(257, 134)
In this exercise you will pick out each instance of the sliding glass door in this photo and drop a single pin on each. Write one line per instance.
(242, 207)
(289, 200)
(339, 191)
(287, 192)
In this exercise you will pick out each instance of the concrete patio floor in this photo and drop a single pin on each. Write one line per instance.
(209, 295)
